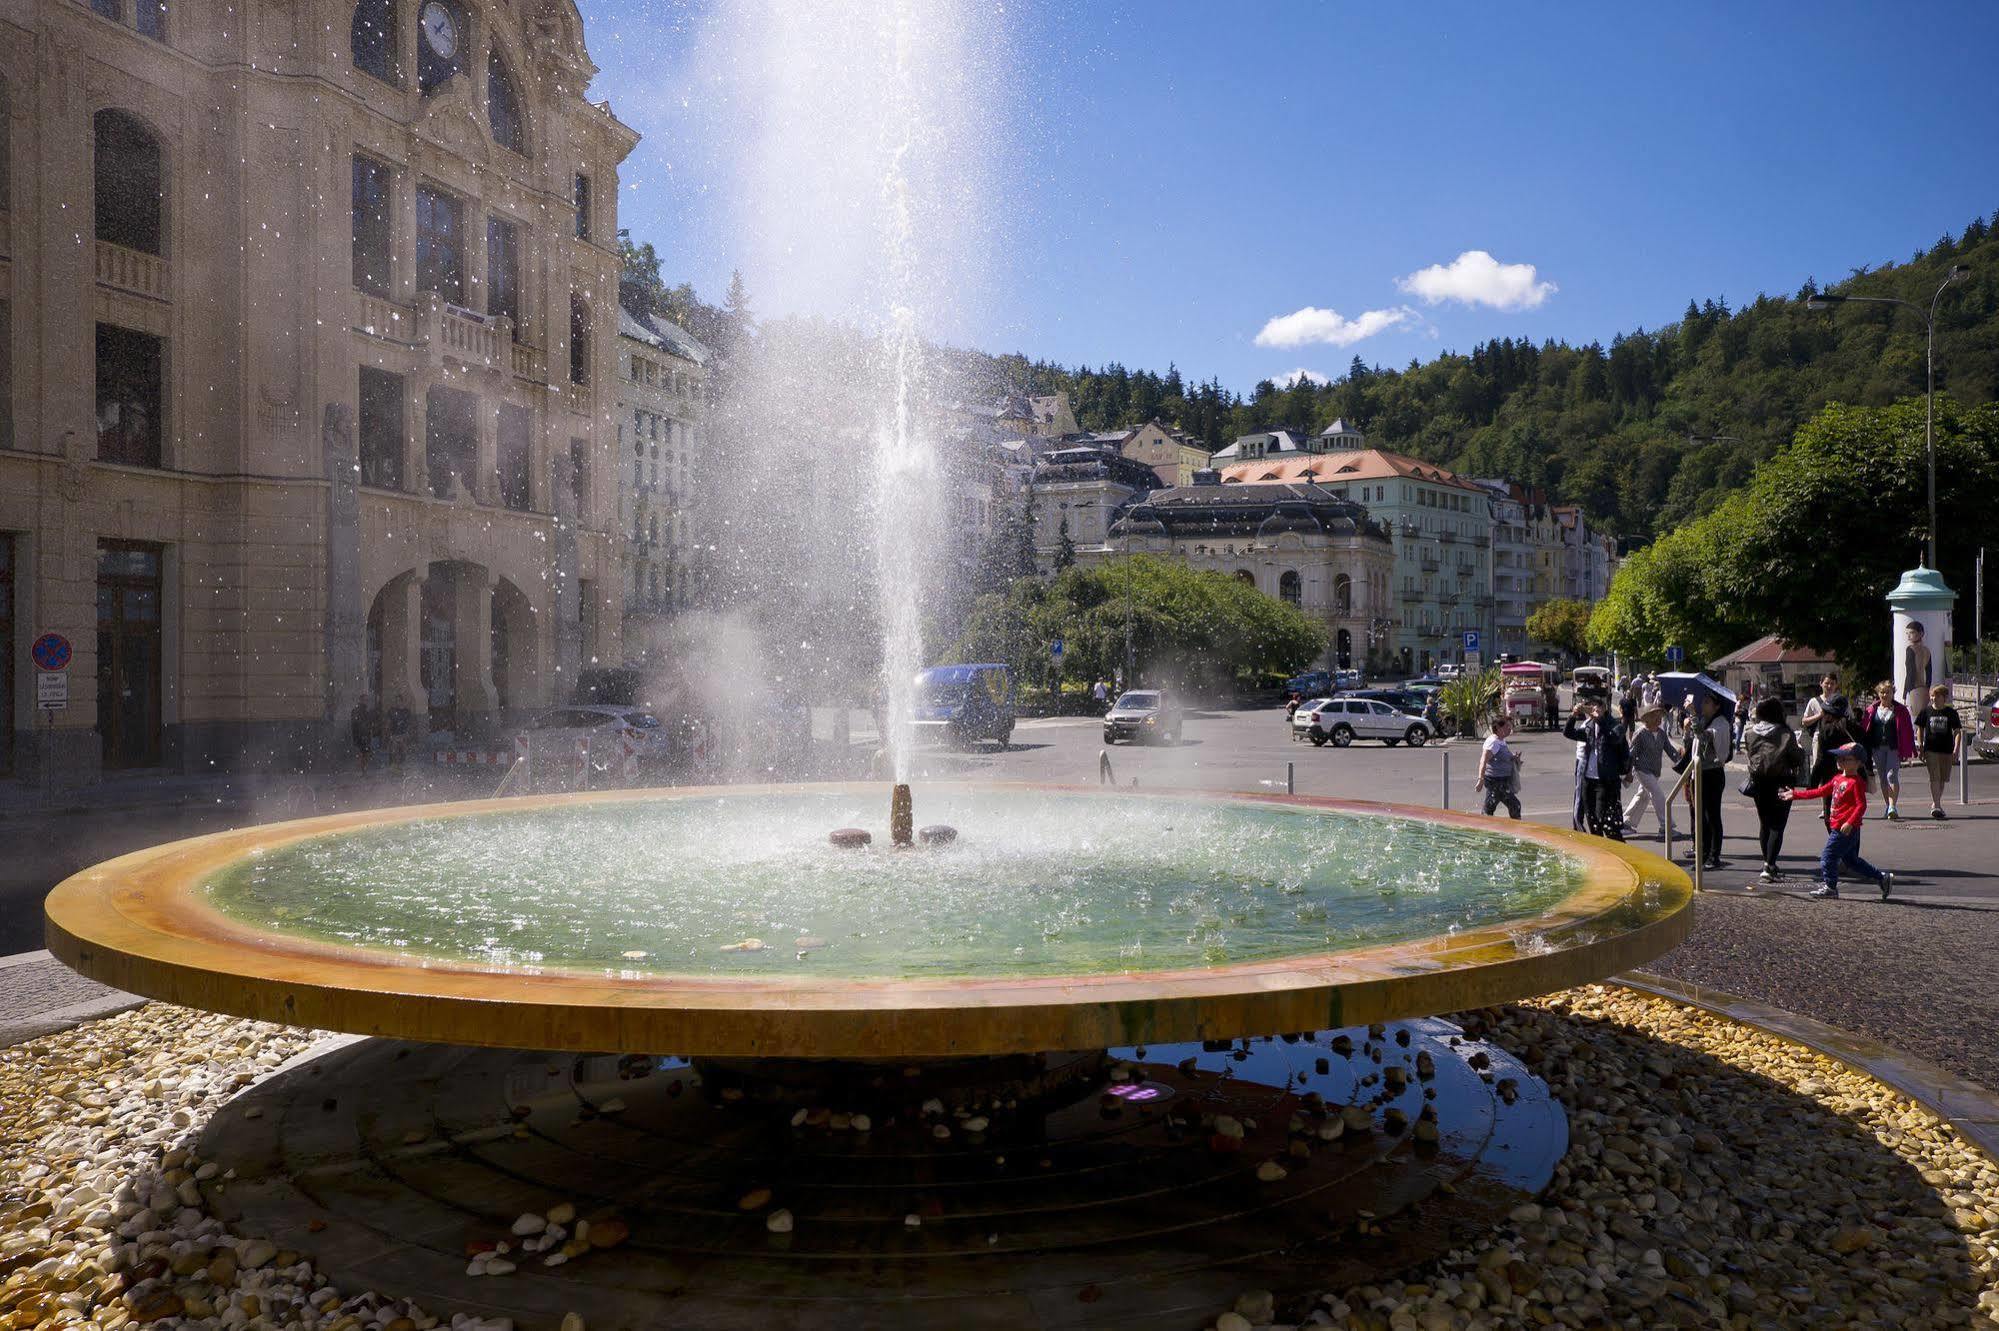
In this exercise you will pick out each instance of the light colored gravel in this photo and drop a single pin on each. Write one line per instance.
(1716, 1178)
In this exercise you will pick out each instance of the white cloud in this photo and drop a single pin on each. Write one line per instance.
(1311, 324)
(1476, 278)
(1290, 377)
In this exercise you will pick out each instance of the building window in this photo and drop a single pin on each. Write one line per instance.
(382, 433)
(503, 270)
(150, 17)
(128, 183)
(372, 40)
(129, 396)
(579, 478)
(582, 198)
(1291, 587)
(440, 45)
(515, 491)
(450, 441)
(372, 244)
(503, 108)
(440, 245)
(579, 340)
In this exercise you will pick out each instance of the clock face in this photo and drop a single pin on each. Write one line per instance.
(440, 30)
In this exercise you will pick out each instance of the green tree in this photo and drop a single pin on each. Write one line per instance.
(1562, 624)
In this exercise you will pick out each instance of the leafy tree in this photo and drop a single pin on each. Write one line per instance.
(1562, 624)
(1181, 626)
(1065, 548)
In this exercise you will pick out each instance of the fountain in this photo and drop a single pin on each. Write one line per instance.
(1066, 1041)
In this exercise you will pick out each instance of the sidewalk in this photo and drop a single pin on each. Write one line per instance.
(39, 996)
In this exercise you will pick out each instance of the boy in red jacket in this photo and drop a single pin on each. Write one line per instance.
(1849, 809)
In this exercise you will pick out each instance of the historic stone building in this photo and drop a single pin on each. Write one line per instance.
(1301, 543)
(303, 307)
(662, 373)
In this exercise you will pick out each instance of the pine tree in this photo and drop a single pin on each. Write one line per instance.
(1065, 548)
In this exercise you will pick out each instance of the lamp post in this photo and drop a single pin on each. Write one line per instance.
(1958, 273)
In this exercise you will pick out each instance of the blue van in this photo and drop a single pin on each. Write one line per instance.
(963, 704)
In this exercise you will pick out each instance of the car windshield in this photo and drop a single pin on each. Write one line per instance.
(1139, 702)
(642, 721)
(944, 693)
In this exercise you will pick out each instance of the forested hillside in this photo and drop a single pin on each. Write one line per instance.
(1645, 433)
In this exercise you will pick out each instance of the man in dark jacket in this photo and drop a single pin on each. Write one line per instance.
(1606, 757)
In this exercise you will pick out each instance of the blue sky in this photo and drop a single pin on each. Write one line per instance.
(1174, 177)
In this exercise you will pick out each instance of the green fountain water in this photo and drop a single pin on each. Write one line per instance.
(1039, 884)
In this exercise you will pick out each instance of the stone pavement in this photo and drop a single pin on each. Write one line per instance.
(39, 995)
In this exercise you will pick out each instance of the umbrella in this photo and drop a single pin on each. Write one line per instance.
(1675, 685)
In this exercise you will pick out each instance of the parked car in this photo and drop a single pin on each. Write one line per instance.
(1343, 720)
(1301, 720)
(1448, 671)
(1985, 742)
(1422, 682)
(1402, 700)
(1141, 716)
(963, 704)
(603, 725)
(1346, 679)
(1311, 684)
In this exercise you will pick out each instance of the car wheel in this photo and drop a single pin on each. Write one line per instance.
(1318, 740)
(1109, 738)
(1342, 736)
(1416, 736)
(1390, 741)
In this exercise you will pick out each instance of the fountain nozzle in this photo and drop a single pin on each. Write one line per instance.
(901, 816)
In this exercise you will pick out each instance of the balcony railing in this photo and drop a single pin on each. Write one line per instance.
(468, 337)
(1431, 564)
(130, 270)
(378, 317)
(530, 363)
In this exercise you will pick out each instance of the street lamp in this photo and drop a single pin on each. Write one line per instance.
(1958, 273)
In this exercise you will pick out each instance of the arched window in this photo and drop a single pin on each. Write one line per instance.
(503, 108)
(1291, 587)
(579, 340)
(129, 183)
(1343, 595)
(373, 40)
(1244, 575)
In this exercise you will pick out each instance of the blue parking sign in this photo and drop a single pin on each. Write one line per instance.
(1055, 649)
(1471, 640)
(1675, 655)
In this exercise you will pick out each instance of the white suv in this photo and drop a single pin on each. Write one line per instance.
(1344, 720)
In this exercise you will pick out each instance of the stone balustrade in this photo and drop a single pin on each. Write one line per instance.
(131, 270)
(378, 317)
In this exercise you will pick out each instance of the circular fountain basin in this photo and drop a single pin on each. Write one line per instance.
(719, 921)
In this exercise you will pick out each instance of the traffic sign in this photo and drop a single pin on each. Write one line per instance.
(1675, 655)
(1473, 660)
(52, 690)
(1471, 642)
(1055, 649)
(51, 652)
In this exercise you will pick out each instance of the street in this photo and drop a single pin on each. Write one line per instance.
(1855, 963)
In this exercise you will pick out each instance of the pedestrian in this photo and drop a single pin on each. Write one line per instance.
(1942, 732)
(399, 734)
(361, 724)
(1776, 760)
(1499, 770)
(1891, 739)
(1605, 757)
(1814, 711)
(1650, 751)
(1627, 705)
(1848, 792)
(1713, 747)
(1100, 695)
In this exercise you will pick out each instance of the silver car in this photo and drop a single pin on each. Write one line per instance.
(1142, 716)
(1343, 720)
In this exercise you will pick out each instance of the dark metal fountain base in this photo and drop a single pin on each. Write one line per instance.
(1109, 1193)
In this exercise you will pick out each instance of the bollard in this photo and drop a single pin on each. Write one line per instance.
(1105, 776)
(1671, 800)
(1291, 778)
(1963, 772)
(1447, 778)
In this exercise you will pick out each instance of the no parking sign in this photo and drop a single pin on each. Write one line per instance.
(51, 652)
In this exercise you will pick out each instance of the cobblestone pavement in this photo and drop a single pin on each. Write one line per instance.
(1921, 978)
(38, 994)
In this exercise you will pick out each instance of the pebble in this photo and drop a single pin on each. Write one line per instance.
(779, 1221)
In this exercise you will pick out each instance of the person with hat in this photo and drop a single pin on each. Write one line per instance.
(1848, 793)
(1651, 750)
(1603, 757)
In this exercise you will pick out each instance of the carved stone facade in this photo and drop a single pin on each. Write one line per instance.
(290, 412)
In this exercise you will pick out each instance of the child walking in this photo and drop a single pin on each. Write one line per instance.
(1848, 790)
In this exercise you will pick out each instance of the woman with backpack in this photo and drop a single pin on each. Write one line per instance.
(1776, 760)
